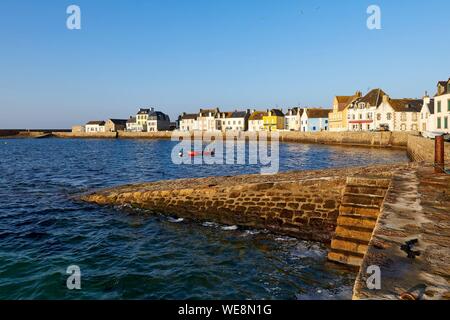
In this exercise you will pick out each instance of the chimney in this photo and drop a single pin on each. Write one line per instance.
(358, 94)
(386, 98)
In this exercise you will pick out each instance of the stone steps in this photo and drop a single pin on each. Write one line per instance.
(358, 213)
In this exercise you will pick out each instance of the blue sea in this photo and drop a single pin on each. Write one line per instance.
(134, 255)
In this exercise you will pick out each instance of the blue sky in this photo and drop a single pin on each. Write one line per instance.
(180, 55)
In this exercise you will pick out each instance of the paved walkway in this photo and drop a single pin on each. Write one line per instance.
(417, 206)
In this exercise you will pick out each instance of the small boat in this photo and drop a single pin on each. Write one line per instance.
(194, 153)
(197, 153)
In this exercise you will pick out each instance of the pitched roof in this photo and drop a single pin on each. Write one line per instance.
(257, 115)
(95, 122)
(445, 87)
(158, 115)
(131, 120)
(189, 116)
(239, 114)
(318, 113)
(277, 112)
(344, 101)
(213, 111)
(118, 121)
(406, 105)
(373, 98)
(295, 111)
(143, 111)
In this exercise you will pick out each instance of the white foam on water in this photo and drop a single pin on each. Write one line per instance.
(230, 228)
(174, 220)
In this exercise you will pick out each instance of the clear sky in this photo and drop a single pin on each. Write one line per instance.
(180, 55)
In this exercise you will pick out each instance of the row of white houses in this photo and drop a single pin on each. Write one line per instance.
(378, 111)
(295, 119)
(375, 110)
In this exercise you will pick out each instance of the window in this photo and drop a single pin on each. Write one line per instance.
(379, 116)
(448, 105)
(403, 117)
(414, 116)
(388, 116)
(439, 123)
(439, 106)
(446, 123)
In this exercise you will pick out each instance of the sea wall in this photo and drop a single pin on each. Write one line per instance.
(85, 135)
(303, 204)
(372, 139)
(422, 149)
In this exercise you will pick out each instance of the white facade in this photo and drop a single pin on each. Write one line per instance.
(95, 127)
(398, 114)
(442, 112)
(188, 122)
(427, 122)
(361, 117)
(206, 120)
(293, 119)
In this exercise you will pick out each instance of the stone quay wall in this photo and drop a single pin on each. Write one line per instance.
(371, 139)
(422, 150)
(85, 135)
(303, 204)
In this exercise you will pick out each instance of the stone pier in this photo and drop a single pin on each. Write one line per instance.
(303, 204)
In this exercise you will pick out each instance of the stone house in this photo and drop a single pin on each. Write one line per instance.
(232, 121)
(293, 118)
(256, 122)
(315, 120)
(95, 126)
(361, 112)
(398, 114)
(78, 129)
(158, 121)
(273, 120)
(114, 125)
(442, 107)
(188, 122)
(338, 118)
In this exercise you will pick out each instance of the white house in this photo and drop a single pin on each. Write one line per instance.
(314, 120)
(142, 117)
(442, 107)
(157, 121)
(398, 114)
(95, 126)
(133, 126)
(256, 121)
(427, 121)
(293, 119)
(206, 119)
(188, 122)
(232, 121)
(362, 111)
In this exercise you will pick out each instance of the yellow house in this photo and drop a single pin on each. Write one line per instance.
(274, 120)
(338, 118)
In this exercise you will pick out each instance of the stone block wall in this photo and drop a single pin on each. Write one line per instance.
(422, 150)
(303, 204)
